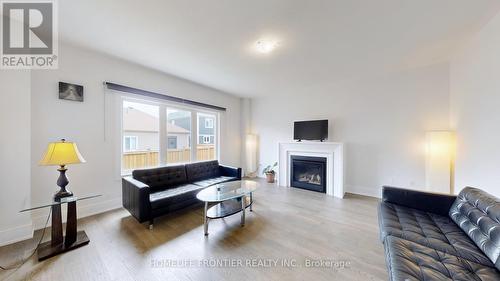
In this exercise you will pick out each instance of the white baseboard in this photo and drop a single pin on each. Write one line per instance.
(100, 207)
(364, 190)
(82, 211)
(16, 234)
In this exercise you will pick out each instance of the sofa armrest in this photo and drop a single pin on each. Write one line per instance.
(135, 198)
(230, 171)
(425, 201)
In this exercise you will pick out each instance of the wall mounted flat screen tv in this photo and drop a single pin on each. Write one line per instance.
(310, 130)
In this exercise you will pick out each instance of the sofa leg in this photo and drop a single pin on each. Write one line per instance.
(151, 223)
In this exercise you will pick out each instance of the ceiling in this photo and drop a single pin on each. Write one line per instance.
(320, 41)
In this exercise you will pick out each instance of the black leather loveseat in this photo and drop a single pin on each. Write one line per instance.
(150, 193)
(430, 236)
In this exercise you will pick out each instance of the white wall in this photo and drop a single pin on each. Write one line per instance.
(382, 121)
(475, 114)
(15, 155)
(84, 123)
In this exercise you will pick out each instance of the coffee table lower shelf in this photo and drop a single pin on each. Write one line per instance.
(227, 208)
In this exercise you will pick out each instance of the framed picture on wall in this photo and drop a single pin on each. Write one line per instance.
(71, 92)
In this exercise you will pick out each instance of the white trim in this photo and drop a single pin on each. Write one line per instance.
(16, 234)
(162, 132)
(217, 134)
(364, 190)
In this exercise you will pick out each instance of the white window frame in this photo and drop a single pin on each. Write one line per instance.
(206, 139)
(136, 143)
(163, 145)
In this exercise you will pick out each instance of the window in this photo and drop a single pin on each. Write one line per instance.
(172, 142)
(130, 143)
(158, 133)
(178, 134)
(140, 131)
(209, 123)
(206, 139)
(206, 149)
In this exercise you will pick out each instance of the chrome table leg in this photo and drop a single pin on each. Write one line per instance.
(205, 220)
(243, 201)
(251, 201)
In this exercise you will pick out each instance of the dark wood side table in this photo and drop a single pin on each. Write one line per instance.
(59, 243)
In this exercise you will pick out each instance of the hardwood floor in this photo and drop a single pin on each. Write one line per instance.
(286, 225)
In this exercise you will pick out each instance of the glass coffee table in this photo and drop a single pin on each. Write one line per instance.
(229, 198)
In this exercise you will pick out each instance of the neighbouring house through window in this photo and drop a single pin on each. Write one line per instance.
(140, 124)
(178, 134)
(151, 139)
(172, 142)
(209, 123)
(207, 131)
(130, 143)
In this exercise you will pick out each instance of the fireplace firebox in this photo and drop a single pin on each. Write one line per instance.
(308, 173)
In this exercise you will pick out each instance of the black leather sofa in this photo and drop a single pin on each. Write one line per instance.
(430, 236)
(150, 193)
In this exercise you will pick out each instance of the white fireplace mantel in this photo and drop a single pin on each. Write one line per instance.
(332, 151)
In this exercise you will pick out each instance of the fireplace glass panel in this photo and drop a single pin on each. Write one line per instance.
(309, 173)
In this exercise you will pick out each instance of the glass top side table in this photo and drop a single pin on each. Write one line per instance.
(59, 243)
(229, 198)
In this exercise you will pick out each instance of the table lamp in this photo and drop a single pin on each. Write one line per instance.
(60, 154)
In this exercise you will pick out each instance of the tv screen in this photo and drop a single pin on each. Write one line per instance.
(310, 130)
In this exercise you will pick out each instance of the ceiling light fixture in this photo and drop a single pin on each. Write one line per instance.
(266, 46)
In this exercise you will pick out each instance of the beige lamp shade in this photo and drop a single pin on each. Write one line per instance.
(61, 153)
(251, 153)
(440, 148)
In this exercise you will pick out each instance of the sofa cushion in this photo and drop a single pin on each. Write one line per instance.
(202, 170)
(174, 195)
(212, 181)
(478, 215)
(408, 260)
(428, 229)
(162, 178)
